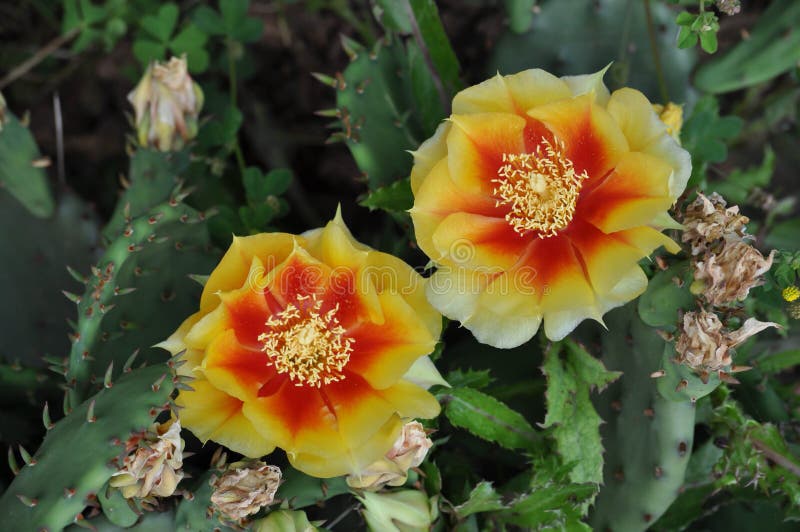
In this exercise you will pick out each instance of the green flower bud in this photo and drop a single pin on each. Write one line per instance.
(399, 511)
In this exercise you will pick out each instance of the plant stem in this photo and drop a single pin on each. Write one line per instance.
(237, 148)
(651, 32)
(39, 56)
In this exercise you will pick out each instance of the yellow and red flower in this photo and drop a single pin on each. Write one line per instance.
(313, 343)
(536, 200)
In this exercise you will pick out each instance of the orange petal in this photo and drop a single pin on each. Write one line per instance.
(232, 271)
(235, 370)
(382, 353)
(214, 415)
(591, 137)
(560, 274)
(632, 195)
(492, 135)
(299, 275)
(473, 241)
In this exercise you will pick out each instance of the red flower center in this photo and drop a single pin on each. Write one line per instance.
(307, 344)
(541, 188)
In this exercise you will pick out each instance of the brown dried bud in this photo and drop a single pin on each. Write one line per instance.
(727, 277)
(729, 7)
(408, 451)
(154, 468)
(708, 219)
(245, 488)
(705, 346)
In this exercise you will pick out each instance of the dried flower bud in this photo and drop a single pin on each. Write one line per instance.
(672, 116)
(705, 346)
(398, 511)
(408, 451)
(727, 277)
(154, 468)
(708, 219)
(166, 103)
(729, 7)
(245, 488)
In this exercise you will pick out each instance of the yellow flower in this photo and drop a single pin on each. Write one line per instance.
(536, 200)
(672, 115)
(313, 343)
(790, 293)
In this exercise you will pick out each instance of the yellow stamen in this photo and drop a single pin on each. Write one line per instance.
(309, 345)
(542, 189)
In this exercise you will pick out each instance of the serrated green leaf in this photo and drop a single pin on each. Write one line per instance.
(777, 362)
(571, 374)
(396, 197)
(488, 418)
(738, 185)
(548, 503)
(482, 498)
(470, 378)
(162, 24)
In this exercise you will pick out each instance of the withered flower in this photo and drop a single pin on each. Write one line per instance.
(705, 345)
(728, 276)
(408, 451)
(708, 219)
(154, 468)
(245, 488)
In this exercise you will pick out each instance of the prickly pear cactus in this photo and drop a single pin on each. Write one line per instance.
(22, 166)
(649, 430)
(34, 273)
(138, 292)
(374, 101)
(585, 35)
(79, 454)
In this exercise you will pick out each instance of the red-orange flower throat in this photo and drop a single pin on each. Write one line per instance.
(308, 344)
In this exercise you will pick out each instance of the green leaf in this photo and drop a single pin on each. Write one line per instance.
(520, 14)
(146, 51)
(396, 197)
(470, 378)
(686, 38)
(685, 19)
(704, 135)
(233, 13)
(436, 41)
(392, 15)
(738, 185)
(191, 41)
(488, 418)
(659, 305)
(708, 41)
(71, 18)
(208, 21)
(549, 503)
(777, 362)
(571, 374)
(92, 13)
(163, 23)
(784, 235)
(483, 498)
(26, 182)
(220, 130)
(250, 30)
(277, 181)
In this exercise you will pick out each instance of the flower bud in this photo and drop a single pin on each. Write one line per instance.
(729, 275)
(284, 521)
(399, 511)
(166, 103)
(245, 488)
(154, 469)
(408, 451)
(729, 7)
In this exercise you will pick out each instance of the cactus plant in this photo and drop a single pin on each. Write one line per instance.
(79, 453)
